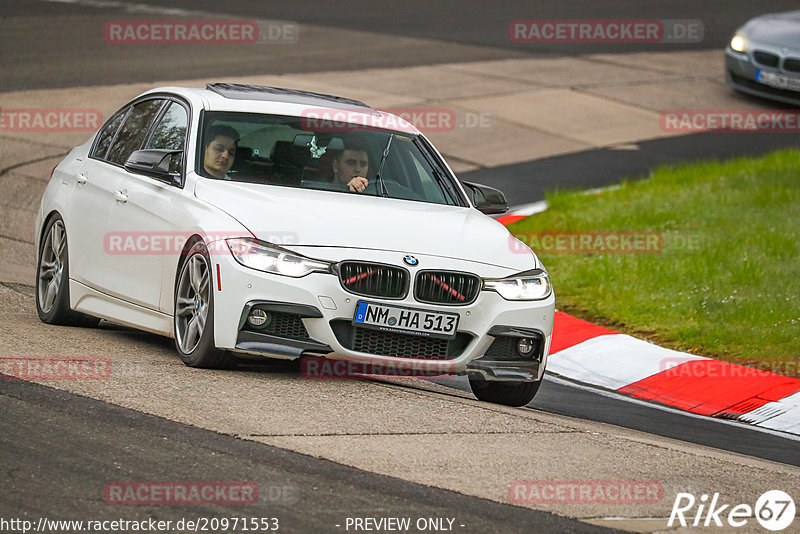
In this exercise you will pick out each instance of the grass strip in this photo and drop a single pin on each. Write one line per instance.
(711, 259)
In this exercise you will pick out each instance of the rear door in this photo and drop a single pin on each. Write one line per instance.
(105, 175)
(89, 207)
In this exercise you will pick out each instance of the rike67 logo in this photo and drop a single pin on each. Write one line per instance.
(774, 510)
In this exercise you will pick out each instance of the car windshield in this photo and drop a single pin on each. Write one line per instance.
(287, 151)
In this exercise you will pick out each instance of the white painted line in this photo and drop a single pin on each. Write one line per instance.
(615, 360)
(780, 415)
(529, 209)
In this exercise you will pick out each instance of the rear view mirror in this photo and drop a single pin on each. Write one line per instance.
(487, 199)
(303, 139)
(326, 141)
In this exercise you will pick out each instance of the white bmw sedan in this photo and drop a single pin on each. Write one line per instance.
(248, 220)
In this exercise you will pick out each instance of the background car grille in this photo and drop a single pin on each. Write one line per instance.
(443, 287)
(766, 58)
(374, 279)
(281, 324)
(398, 345)
(791, 64)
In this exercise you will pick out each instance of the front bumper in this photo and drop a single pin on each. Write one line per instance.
(313, 316)
(741, 73)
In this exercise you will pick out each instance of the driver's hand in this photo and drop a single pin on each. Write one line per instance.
(358, 184)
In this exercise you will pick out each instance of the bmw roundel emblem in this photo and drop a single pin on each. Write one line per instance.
(411, 260)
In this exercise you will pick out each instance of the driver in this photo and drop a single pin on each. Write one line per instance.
(220, 149)
(351, 166)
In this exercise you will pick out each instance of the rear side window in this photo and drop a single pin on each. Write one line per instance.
(107, 134)
(134, 130)
(170, 134)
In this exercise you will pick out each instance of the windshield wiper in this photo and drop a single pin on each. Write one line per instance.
(379, 175)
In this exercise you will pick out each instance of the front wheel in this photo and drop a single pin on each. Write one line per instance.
(507, 393)
(194, 313)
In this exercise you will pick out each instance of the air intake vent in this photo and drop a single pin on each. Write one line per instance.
(397, 344)
(374, 280)
(791, 64)
(767, 59)
(445, 287)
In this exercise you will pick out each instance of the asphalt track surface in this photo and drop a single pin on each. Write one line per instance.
(60, 471)
(564, 397)
(527, 182)
(60, 43)
(94, 442)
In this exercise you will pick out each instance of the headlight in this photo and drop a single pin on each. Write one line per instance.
(532, 285)
(738, 43)
(272, 259)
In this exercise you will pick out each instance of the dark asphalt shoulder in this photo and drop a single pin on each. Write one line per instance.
(61, 449)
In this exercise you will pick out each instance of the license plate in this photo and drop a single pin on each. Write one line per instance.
(778, 80)
(406, 320)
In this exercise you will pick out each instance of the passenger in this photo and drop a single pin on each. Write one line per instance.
(351, 166)
(220, 150)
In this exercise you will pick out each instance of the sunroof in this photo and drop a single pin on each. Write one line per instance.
(239, 91)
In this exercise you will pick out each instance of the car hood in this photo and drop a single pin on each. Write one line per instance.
(293, 216)
(779, 29)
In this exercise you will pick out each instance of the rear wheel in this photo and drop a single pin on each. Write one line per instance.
(507, 393)
(52, 279)
(194, 313)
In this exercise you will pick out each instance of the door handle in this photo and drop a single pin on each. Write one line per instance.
(121, 196)
(81, 178)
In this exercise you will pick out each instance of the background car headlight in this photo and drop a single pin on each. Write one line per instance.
(272, 259)
(534, 285)
(738, 43)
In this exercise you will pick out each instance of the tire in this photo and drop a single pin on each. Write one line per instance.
(193, 317)
(52, 279)
(507, 393)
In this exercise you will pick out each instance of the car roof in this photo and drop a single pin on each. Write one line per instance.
(279, 94)
(293, 102)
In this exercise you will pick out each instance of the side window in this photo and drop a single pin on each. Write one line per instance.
(170, 134)
(107, 134)
(133, 130)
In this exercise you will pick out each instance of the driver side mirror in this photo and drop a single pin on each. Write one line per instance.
(487, 199)
(154, 163)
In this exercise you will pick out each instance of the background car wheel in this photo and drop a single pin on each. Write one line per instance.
(508, 393)
(194, 313)
(52, 279)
